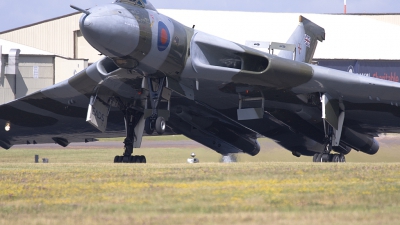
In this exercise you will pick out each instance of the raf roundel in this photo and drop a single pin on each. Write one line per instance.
(164, 37)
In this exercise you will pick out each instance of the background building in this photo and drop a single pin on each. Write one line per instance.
(25, 70)
(55, 49)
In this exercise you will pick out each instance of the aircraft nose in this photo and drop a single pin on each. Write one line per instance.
(112, 31)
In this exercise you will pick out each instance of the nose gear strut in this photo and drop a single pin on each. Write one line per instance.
(132, 119)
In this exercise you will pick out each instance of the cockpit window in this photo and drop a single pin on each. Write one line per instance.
(132, 2)
(141, 3)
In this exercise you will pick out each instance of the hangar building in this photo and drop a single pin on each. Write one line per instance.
(55, 49)
(25, 70)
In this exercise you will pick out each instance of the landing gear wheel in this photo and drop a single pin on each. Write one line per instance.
(160, 125)
(318, 158)
(342, 158)
(335, 158)
(321, 157)
(149, 126)
(132, 159)
(125, 159)
(142, 159)
(118, 159)
(325, 157)
(315, 157)
(330, 157)
(137, 159)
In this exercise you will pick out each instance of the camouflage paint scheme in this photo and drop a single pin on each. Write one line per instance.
(208, 76)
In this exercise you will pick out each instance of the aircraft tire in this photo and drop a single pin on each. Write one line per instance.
(326, 157)
(342, 158)
(315, 157)
(148, 126)
(160, 125)
(118, 159)
(142, 159)
(336, 158)
(137, 159)
(132, 159)
(318, 159)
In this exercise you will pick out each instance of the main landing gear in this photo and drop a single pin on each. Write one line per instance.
(330, 139)
(154, 122)
(132, 119)
(327, 157)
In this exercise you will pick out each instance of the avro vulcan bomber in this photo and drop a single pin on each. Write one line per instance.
(159, 77)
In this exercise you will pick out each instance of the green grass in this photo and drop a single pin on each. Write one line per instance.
(208, 193)
(270, 152)
(81, 186)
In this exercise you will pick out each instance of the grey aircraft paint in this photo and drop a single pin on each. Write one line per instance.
(211, 80)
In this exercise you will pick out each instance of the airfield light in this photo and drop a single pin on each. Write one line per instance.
(8, 126)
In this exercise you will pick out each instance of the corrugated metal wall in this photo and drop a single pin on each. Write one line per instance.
(7, 84)
(33, 73)
(36, 72)
(65, 68)
(55, 36)
(85, 51)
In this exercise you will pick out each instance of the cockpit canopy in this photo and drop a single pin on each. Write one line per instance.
(140, 3)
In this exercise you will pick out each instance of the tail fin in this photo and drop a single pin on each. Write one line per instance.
(305, 38)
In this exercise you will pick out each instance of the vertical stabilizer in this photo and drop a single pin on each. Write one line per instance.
(305, 38)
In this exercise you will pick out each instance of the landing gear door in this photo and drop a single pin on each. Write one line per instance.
(97, 114)
(330, 111)
(333, 114)
(139, 129)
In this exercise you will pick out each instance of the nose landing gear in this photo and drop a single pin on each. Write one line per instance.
(136, 125)
(133, 120)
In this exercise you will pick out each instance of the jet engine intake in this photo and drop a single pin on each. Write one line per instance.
(223, 55)
(106, 66)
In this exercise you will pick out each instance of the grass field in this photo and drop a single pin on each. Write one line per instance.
(270, 152)
(80, 186)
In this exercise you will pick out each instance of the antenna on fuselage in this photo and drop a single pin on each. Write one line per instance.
(80, 10)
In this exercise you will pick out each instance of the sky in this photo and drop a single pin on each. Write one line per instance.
(20, 13)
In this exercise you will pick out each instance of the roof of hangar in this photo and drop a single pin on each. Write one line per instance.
(6, 46)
